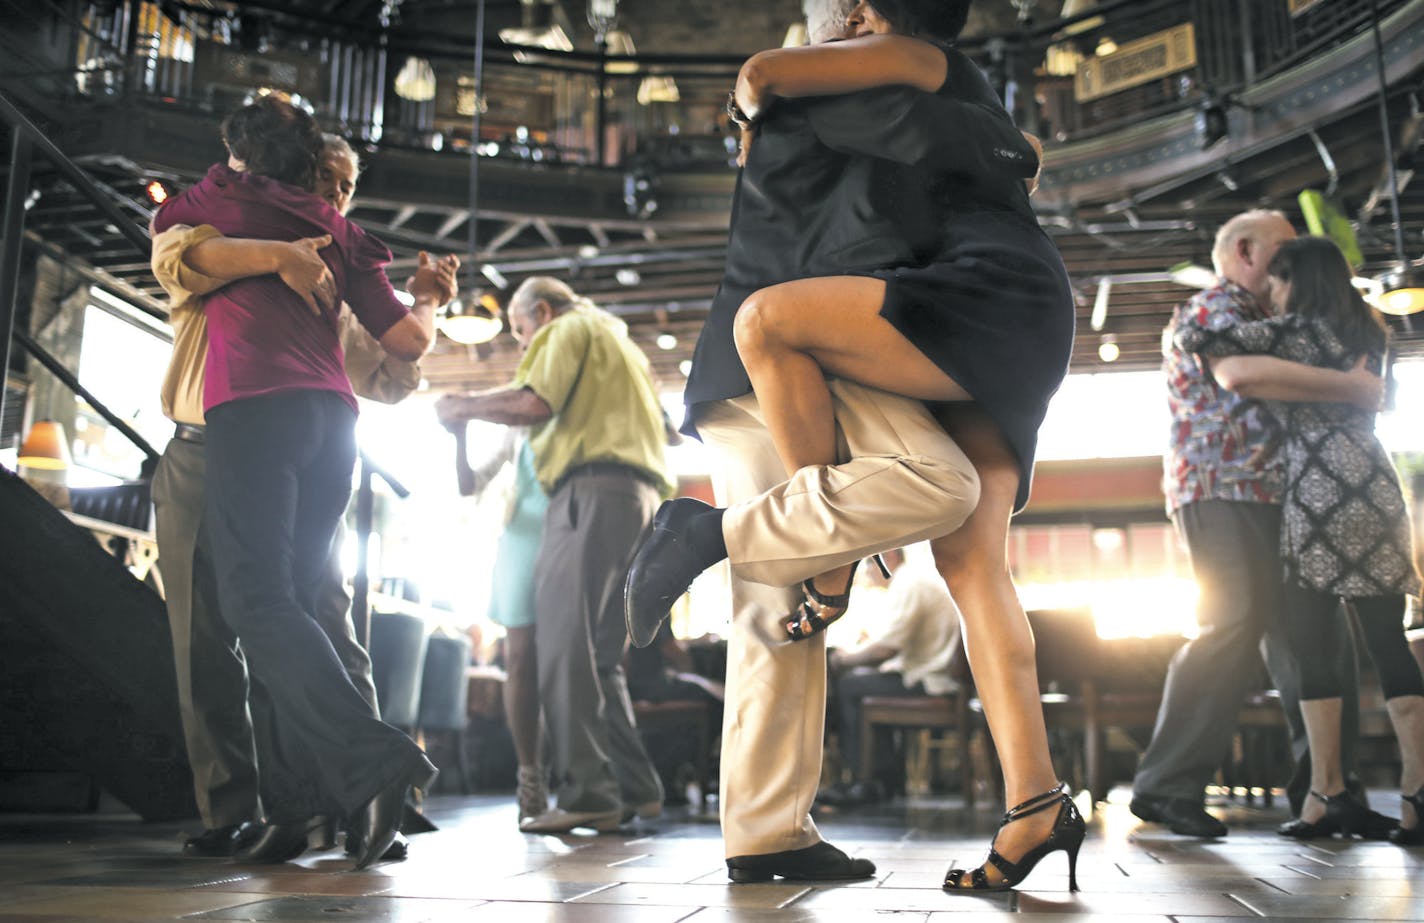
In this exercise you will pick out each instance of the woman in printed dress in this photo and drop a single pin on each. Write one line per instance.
(1345, 532)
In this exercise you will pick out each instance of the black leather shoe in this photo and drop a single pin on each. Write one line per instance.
(220, 842)
(662, 570)
(277, 843)
(1179, 815)
(821, 862)
(396, 852)
(381, 818)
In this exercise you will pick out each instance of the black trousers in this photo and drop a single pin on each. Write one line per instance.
(1235, 554)
(851, 690)
(1310, 620)
(279, 478)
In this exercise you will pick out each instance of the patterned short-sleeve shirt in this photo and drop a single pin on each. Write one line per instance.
(1211, 450)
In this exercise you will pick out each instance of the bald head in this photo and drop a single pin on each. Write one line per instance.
(825, 19)
(1244, 247)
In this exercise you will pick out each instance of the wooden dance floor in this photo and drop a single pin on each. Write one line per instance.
(111, 867)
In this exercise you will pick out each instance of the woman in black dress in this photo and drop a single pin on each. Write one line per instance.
(1345, 531)
(983, 323)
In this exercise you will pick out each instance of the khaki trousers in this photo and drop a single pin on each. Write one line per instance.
(905, 481)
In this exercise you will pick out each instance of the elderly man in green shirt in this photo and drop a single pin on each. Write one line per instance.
(598, 439)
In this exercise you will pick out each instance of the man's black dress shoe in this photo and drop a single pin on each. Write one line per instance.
(662, 570)
(1180, 815)
(381, 818)
(278, 843)
(221, 842)
(821, 862)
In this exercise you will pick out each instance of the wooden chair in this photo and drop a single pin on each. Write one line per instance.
(941, 713)
(681, 715)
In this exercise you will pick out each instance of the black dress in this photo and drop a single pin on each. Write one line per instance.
(991, 304)
(971, 279)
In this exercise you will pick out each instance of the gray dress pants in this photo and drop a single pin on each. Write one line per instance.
(591, 530)
(1235, 553)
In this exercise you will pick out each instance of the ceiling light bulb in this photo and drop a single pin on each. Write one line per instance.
(667, 341)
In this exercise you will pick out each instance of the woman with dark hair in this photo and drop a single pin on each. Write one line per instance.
(1345, 531)
(280, 433)
(977, 316)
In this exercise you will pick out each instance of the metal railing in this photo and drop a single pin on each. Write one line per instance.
(544, 106)
(25, 139)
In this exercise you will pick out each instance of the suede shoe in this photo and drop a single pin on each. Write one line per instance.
(1179, 815)
(557, 820)
(662, 570)
(821, 862)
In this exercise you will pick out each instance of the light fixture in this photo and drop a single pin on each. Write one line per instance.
(1192, 275)
(45, 447)
(628, 276)
(1401, 292)
(537, 28)
(1108, 350)
(157, 192)
(666, 341)
(1210, 124)
(1100, 303)
(1402, 287)
(602, 14)
(416, 80)
(685, 367)
(472, 320)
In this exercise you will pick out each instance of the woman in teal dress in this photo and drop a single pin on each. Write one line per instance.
(511, 603)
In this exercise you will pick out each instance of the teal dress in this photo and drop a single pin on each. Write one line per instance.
(512, 593)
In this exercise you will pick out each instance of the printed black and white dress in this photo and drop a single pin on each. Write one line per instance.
(1345, 527)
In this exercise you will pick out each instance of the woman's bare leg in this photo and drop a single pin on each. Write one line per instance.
(521, 703)
(791, 336)
(997, 638)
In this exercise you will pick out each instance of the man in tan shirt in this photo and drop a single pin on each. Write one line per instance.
(211, 674)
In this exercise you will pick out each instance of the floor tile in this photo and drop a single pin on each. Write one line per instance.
(1357, 907)
(114, 869)
(346, 909)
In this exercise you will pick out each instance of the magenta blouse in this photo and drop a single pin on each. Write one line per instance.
(262, 338)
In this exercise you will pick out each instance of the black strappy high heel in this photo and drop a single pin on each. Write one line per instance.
(1411, 836)
(1067, 834)
(818, 611)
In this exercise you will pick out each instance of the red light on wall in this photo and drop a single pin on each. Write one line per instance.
(157, 192)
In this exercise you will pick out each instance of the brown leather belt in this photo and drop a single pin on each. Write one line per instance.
(189, 433)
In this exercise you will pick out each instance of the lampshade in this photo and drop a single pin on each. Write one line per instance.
(476, 320)
(416, 80)
(46, 447)
(1402, 292)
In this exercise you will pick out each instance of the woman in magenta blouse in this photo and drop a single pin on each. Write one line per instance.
(280, 451)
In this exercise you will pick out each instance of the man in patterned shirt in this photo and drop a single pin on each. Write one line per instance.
(1223, 490)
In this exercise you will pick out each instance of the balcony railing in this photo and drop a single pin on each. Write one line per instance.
(1117, 64)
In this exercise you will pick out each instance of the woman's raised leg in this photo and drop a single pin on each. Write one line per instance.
(791, 336)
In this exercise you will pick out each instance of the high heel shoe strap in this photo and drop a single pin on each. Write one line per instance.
(1037, 803)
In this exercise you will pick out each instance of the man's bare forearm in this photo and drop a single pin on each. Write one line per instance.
(512, 406)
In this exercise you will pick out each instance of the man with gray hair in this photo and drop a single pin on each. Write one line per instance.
(1223, 494)
(598, 439)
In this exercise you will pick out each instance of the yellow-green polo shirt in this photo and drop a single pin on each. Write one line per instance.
(598, 384)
